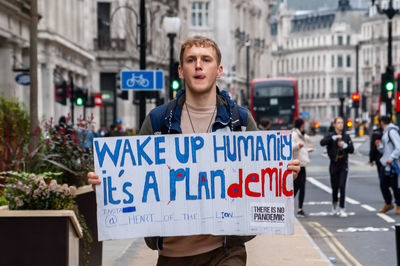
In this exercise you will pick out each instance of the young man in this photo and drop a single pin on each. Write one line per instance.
(339, 145)
(201, 107)
(390, 149)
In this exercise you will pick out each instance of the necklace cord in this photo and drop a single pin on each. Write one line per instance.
(190, 119)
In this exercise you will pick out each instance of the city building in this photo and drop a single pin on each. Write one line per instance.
(241, 29)
(318, 49)
(83, 45)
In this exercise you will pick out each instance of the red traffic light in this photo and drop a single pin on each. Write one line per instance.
(397, 102)
(316, 124)
(355, 97)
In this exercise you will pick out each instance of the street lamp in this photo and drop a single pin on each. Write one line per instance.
(171, 26)
(390, 12)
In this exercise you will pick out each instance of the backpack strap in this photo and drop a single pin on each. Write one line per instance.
(239, 118)
(171, 105)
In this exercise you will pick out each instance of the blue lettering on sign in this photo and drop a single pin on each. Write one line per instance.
(159, 150)
(129, 209)
(101, 154)
(148, 185)
(142, 153)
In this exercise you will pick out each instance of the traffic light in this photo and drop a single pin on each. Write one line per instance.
(123, 94)
(349, 123)
(356, 100)
(397, 102)
(175, 81)
(316, 124)
(387, 89)
(80, 96)
(61, 92)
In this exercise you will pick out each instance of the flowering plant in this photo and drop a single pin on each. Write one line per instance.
(30, 192)
(24, 191)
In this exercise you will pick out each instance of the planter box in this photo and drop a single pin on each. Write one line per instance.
(39, 237)
(85, 198)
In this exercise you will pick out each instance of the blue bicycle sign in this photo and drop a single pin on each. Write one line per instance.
(142, 80)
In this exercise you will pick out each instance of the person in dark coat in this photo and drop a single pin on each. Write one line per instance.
(339, 145)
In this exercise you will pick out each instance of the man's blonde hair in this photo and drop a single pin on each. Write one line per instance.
(200, 41)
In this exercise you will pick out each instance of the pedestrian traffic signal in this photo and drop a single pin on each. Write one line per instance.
(349, 123)
(356, 100)
(316, 124)
(80, 96)
(61, 92)
(387, 89)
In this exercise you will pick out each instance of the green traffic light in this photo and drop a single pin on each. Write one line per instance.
(175, 85)
(79, 101)
(389, 86)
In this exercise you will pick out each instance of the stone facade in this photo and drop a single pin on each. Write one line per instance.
(318, 49)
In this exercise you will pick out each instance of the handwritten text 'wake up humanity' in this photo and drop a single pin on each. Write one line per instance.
(151, 151)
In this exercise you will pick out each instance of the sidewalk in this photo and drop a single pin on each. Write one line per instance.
(297, 249)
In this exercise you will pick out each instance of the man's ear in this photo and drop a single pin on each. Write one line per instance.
(219, 71)
(180, 72)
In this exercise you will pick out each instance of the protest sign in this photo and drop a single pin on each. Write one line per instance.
(215, 183)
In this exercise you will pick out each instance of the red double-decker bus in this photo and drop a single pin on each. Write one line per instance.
(276, 100)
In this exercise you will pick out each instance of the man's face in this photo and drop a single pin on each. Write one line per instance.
(200, 69)
(339, 124)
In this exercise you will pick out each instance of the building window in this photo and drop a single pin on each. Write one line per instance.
(348, 60)
(200, 14)
(348, 39)
(332, 85)
(340, 86)
(340, 61)
(340, 40)
(323, 88)
(348, 85)
(333, 61)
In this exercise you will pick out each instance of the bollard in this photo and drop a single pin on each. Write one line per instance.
(398, 243)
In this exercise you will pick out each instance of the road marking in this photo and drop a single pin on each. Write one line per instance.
(368, 208)
(334, 244)
(324, 187)
(362, 229)
(317, 203)
(386, 218)
(329, 214)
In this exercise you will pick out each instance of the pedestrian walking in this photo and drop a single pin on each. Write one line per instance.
(374, 157)
(199, 108)
(117, 130)
(302, 146)
(390, 149)
(339, 145)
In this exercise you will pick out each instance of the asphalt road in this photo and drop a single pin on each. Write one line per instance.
(364, 237)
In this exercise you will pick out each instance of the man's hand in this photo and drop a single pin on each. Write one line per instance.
(389, 162)
(294, 165)
(301, 145)
(93, 179)
(371, 163)
(340, 143)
